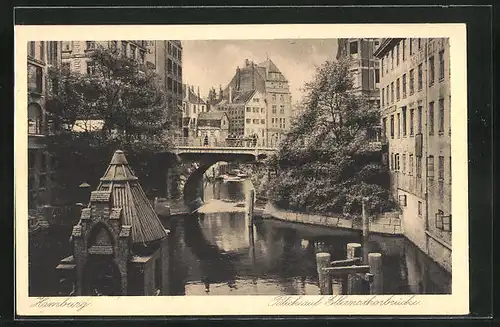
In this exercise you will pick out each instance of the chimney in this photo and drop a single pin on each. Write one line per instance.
(247, 63)
(230, 94)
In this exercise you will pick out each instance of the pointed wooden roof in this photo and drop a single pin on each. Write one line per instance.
(127, 194)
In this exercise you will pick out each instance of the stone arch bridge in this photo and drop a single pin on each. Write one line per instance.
(184, 179)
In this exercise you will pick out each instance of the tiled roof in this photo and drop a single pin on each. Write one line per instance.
(243, 96)
(100, 196)
(128, 195)
(247, 78)
(211, 119)
(270, 66)
(118, 169)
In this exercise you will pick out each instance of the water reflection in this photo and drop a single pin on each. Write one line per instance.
(218, 253)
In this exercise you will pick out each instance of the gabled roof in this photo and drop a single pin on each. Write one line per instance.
(270, 66)
(211, 119)
(127, 194)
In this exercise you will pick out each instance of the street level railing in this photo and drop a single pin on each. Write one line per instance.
(214, 142)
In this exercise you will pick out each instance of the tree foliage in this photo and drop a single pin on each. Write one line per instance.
(126, 98)
(326, 163)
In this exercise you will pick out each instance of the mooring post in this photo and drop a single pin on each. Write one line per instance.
(250, 204)
(366, 228)
(353, 283)
(325, 282)
(375, 263)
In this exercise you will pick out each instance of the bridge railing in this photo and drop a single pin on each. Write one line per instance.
(214, 142)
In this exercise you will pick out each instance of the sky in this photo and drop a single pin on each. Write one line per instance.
(210, 63)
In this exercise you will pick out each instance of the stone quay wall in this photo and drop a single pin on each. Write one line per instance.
(387, 223)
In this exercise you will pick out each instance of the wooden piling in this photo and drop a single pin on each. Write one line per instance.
(366, 221)
(366, 229)
(325, 281)
(375, 264)
(250, 207)
(353, 283)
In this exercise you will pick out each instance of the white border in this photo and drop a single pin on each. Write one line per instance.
(456, 303)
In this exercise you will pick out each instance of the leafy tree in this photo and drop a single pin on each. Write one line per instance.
(327, 162)
(126, 98)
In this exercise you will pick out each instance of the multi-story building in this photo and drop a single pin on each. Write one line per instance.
(192, 105)
(76, 54)
(164, 57)
(41, 56)
(272, 97)
(174, 83)
(415, 112)
(365, 66)
(247, 114)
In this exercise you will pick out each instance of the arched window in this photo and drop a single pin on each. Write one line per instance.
(34, 119)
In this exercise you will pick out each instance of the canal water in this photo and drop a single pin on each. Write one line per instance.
(218, 253)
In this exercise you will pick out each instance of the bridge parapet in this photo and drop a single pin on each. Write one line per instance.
(227, 146)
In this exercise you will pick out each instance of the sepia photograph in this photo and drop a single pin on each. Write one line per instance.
(284, 167)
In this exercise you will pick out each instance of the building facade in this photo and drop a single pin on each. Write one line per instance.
(76, 54)
(213, 127)
(162, 56)
(192, 106)
(41, 56)
(272, 97)
(247, 115)
(365, 66)
(415, 113)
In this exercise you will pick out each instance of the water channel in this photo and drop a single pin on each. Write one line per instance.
(215, 254)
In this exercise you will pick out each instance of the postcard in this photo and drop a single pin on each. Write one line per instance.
(212, 170)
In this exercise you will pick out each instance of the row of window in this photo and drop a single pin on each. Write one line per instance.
(255, 121)
(174, 68)
(174, 51)
(396, 55)
(401, 82)
(402, 119)
(255, 109)
(395, 165)
(281, 121)
(174, 86)
(282, 109)
(353, 46)
(282, 98)
(275, 76)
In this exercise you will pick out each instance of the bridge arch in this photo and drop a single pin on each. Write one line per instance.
(195, 169)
